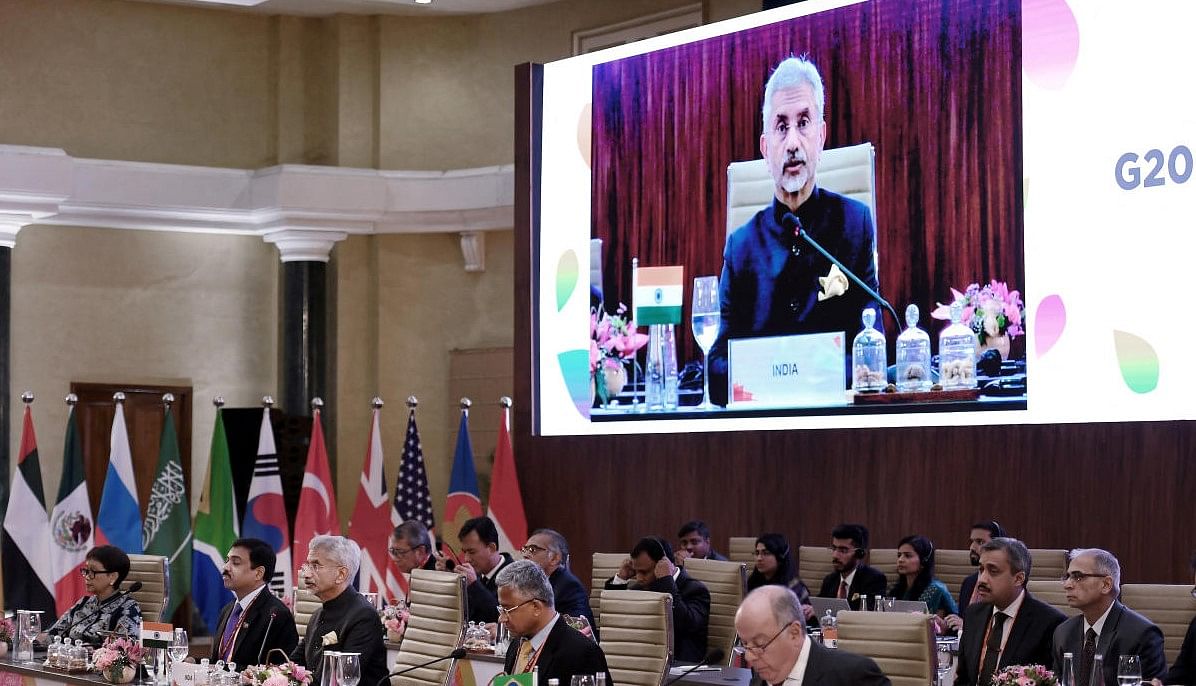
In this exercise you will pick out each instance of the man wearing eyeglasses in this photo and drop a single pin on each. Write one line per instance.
(852, 580)
(411, 547)
(541, 638)
(549, 549)
(1006, 625)
(771, 628)
(1105, 626)
(346, 621)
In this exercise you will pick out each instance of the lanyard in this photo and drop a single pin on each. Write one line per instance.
(226, 648)
(1004, 637)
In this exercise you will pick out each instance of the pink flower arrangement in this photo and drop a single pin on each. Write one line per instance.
(117, 653)
(7, 629)
(1025, 675)
(286, 674)
(394, 618)
(613, 338)
(992, 310)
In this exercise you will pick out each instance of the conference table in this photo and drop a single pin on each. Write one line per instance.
(473, 670)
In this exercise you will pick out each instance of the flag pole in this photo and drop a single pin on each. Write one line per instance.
(412, 401)
(635, 363)
(218, 402)
(27, 398)
(268, 401)
(71, 400)
(377, 403)
(506, 404)
(317, 404)
(466, 403)
(118, 397)
(168, 400)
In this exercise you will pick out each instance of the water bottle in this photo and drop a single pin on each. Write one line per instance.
(830, 630)
(1068, 676)
(669, 356)
(654, 370)
(1097, 678)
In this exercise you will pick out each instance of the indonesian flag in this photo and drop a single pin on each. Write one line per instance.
(316, 515)
(370, 524)
(506, 502)
(72, 531)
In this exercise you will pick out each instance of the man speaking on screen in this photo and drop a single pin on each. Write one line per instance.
(773, 282)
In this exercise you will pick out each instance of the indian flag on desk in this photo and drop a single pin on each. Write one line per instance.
(657, 294)
(156, 635)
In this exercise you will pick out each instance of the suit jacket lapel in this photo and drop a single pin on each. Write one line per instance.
(1017, 633)
(1109, 630)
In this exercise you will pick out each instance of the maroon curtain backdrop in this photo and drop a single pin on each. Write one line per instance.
(935, 86)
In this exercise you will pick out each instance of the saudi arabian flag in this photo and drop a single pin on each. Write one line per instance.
(657, 295)
(167, 528)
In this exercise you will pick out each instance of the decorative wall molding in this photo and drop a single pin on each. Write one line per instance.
(281, 204)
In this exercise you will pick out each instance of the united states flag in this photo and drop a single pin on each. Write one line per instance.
(412, 499)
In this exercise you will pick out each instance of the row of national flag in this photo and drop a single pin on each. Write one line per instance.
(37, 576)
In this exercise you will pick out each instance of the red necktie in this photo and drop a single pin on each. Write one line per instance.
(843, 589)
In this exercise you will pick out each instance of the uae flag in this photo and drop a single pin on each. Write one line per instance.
(317, 515)
(72, 531)
(28, 577)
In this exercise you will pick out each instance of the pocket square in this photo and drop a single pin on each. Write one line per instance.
(833, 284)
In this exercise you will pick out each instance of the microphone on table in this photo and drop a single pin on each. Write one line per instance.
(273, 614)
(713, 656)
(455, 655)
(793, 224)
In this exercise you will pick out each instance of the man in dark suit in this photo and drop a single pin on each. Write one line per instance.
(540, 637)
(256, 622)
(852, 580)
(1105, 626)
(1183, 670)
(694, 538)
(481, 565)
(773, 283)
(411, 547)
(650, 568)
(1006, 626)
(982, 533)
(770, 623)
(346, 621)
(549, 549)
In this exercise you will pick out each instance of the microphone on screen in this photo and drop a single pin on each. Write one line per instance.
(455, 655)
(793, 225)
(713, 656)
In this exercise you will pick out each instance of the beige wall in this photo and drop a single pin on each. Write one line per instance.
(140, 307)
(159, 82)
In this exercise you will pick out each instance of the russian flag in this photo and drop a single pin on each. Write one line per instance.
(119, 522)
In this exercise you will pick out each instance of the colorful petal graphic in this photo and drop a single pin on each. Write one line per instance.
(1050, 317)
(1138, 360)
(584, 126)
(1050, 42)
(566, 278)
(575, 369)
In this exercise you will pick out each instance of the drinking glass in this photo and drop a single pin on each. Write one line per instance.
(178, 646)
(348, 669)
(1129, 670)
(582, 680)
(704, 312)
(946, 655)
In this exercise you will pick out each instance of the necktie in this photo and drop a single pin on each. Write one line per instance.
(524, 656)
(1086, 657)
(230, 628)
(843, 588)
(992, 649)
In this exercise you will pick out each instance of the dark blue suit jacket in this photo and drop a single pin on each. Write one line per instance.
(1125, 633)
(570, 596)
(766, 290)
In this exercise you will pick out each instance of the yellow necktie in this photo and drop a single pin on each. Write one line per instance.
(524, 656)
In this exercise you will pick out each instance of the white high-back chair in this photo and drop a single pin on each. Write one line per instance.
(849, 171)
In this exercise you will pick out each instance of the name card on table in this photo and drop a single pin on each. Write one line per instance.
(185, 673)
(787, 371)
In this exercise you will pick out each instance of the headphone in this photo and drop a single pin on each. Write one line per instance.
(997, 530)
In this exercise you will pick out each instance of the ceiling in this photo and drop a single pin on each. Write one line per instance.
(328, 7)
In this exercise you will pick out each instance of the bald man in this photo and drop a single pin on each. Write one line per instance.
(771, 626)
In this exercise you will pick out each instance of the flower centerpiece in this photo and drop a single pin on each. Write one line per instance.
(993, 311)
(1025, 675)
(117, 660)
(7, 632)
(394, 618)
(285, 674)
(613, 341)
